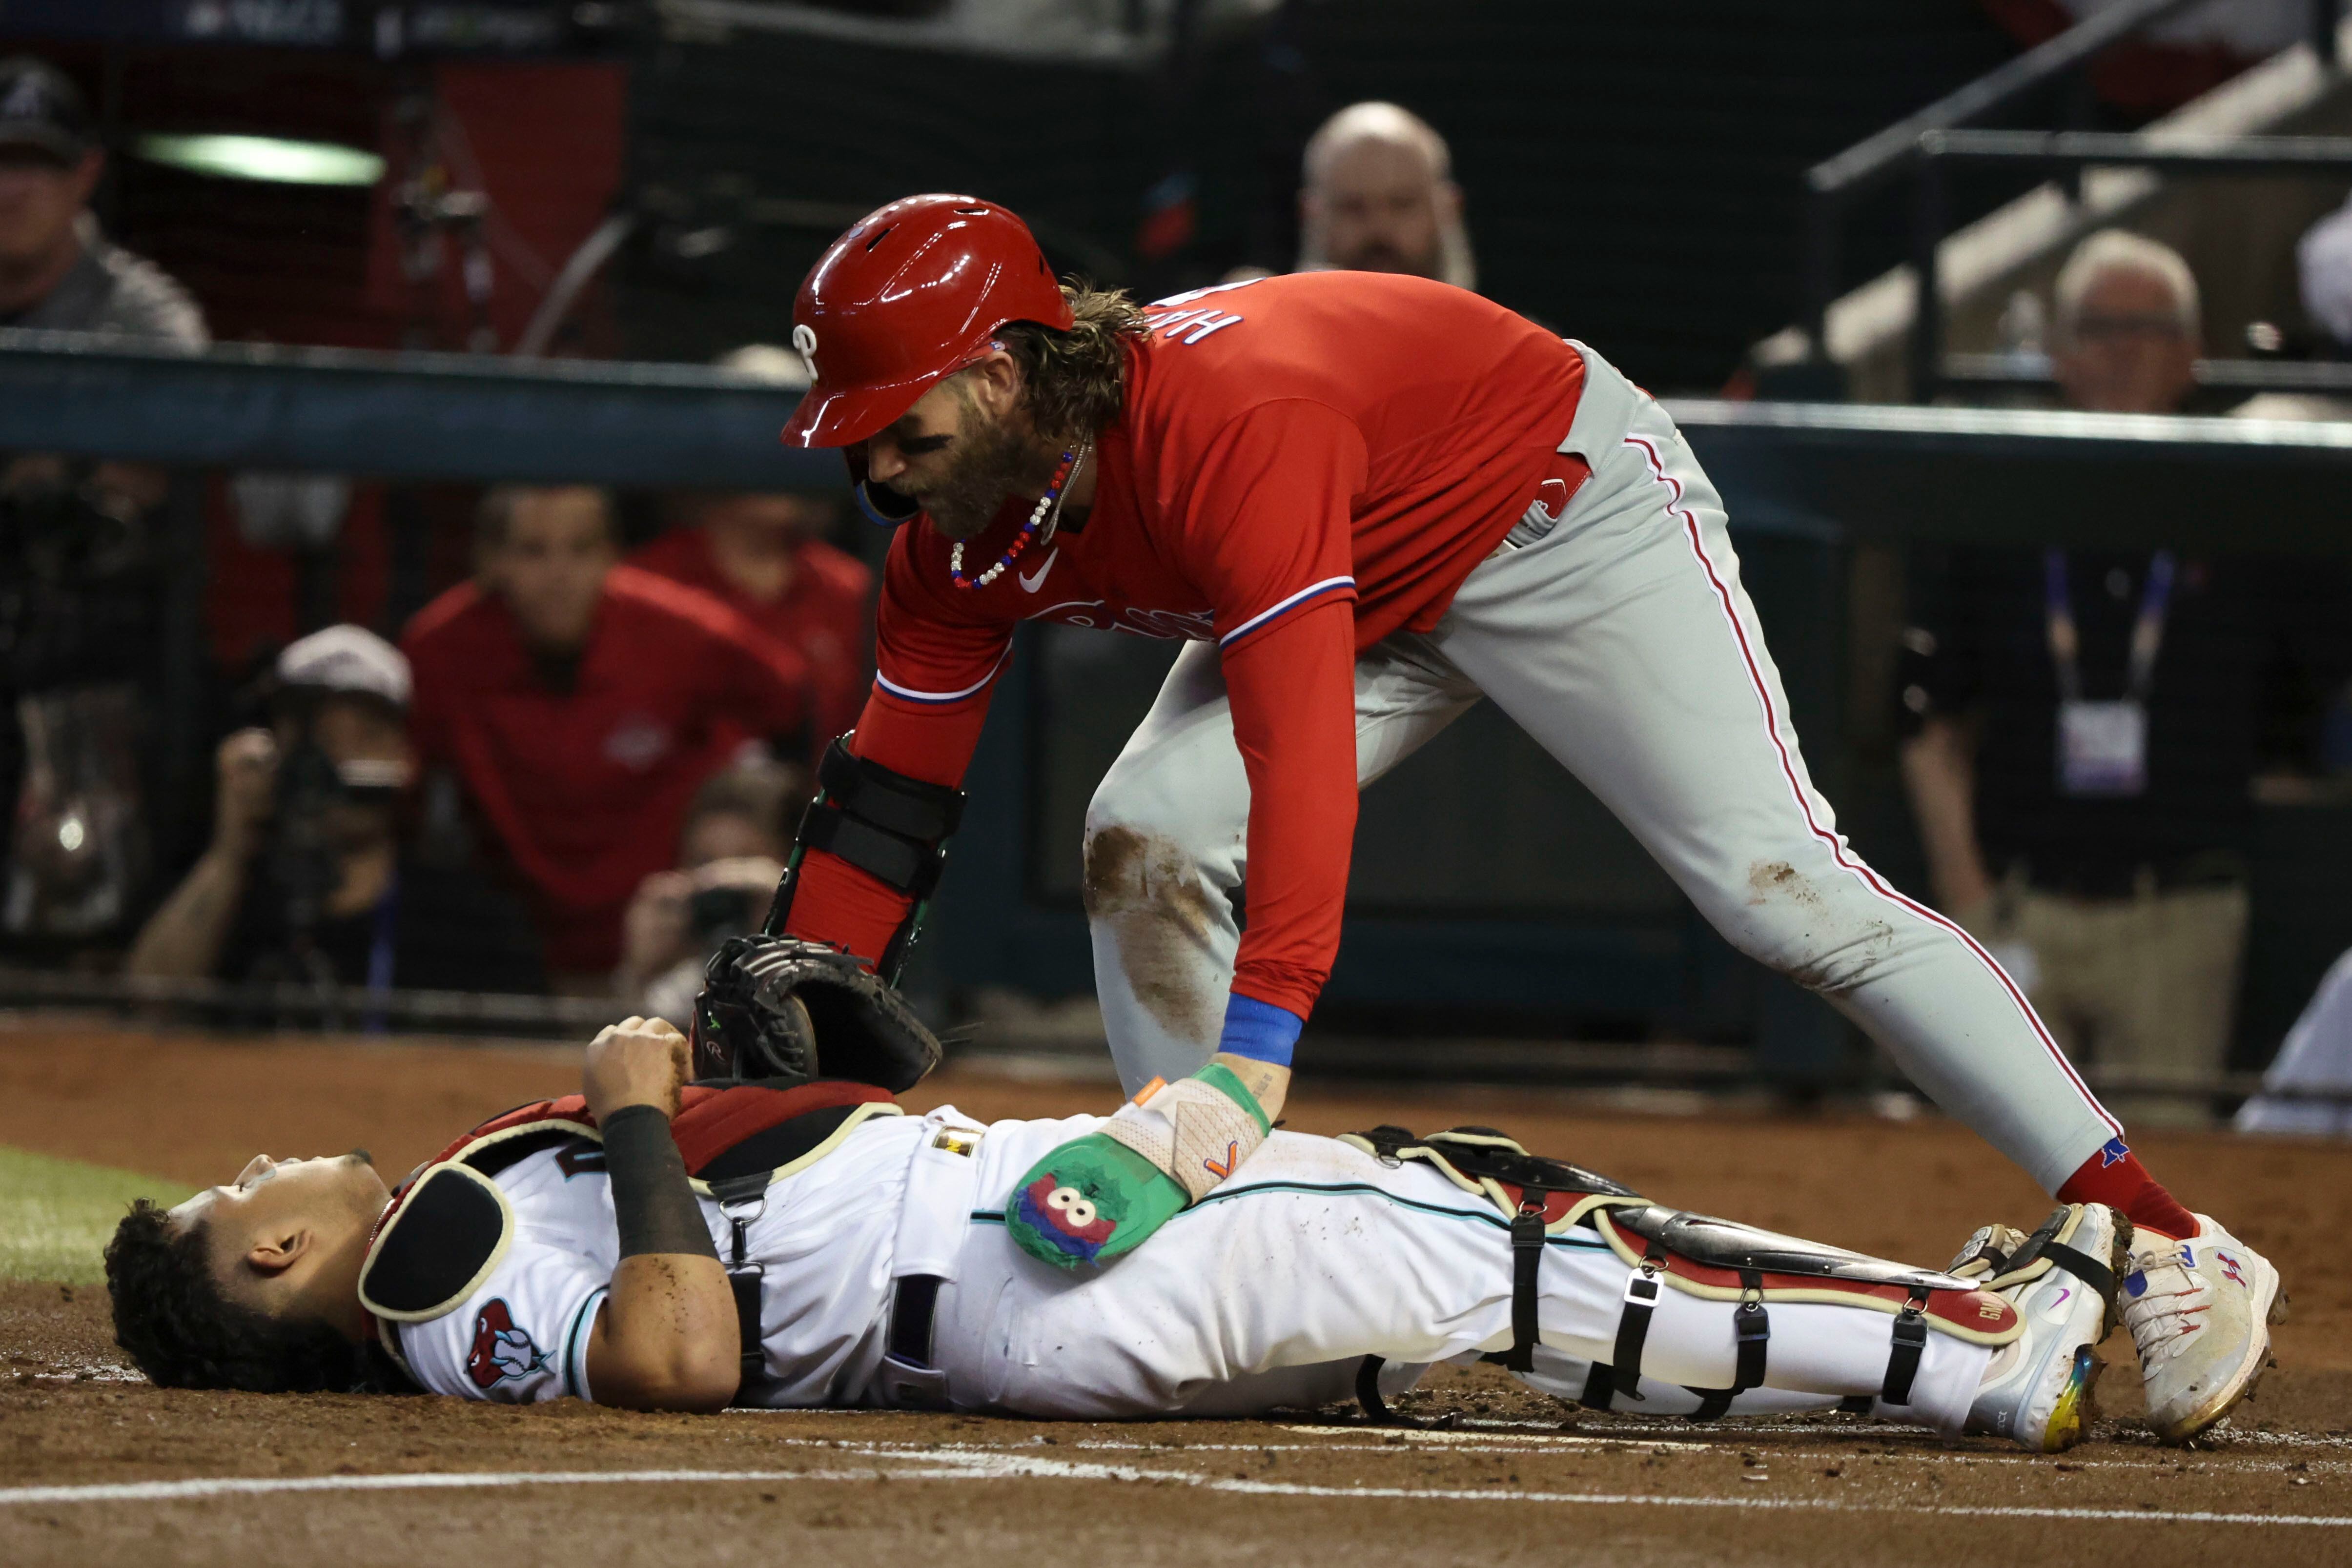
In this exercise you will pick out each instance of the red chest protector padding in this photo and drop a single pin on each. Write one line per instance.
(712, 1119)
(448, 1225)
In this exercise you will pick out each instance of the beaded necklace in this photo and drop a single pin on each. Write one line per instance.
(1050, 503)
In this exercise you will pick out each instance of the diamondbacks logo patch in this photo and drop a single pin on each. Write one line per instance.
(500, 1349)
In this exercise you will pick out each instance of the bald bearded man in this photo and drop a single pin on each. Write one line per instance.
(1378, 195)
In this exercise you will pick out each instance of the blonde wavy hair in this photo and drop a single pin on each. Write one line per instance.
(1075, 380)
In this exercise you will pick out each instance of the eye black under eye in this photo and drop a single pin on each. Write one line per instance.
(922, 443)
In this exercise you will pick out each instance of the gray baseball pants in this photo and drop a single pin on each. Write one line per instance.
(1622, 643)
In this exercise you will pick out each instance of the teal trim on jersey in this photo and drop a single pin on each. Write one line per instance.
(575, 1344)
(1591, 1241)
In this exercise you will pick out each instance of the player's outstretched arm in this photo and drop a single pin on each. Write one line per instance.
(1267, 1082)
(665, 1338)
(1103, 1195)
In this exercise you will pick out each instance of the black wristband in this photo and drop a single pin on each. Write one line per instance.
(656, 1208)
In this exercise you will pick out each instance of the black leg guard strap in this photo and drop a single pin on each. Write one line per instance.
(1713, 1403)
(1634, 1324)
(1910, 1343)
(1599, 1387)
(2083, 1267)
(1751, 1328)
(1527, 1266)
(1367, 1392)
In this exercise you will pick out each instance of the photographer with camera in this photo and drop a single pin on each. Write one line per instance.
(308, 878)
(732, 850)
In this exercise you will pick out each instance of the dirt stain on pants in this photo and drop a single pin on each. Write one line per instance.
(1147, 891)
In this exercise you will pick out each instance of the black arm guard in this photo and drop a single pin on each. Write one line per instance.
(652, 1201)
(889, 826)
(776, 1008)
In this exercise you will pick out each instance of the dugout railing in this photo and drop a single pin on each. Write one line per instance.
(1808, 485)
(1928, 146)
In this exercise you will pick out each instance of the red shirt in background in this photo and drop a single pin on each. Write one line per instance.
(1303, 465)
(823, 614)
(586, 790)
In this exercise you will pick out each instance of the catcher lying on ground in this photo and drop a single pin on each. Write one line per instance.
(665, 1246)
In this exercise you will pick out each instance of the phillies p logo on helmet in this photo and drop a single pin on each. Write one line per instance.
(804, 339)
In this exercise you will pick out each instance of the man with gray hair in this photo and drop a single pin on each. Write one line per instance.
(2083, 726)
(1379, 196)
(2128, 324)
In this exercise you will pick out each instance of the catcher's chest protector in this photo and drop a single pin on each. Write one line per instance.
(449, 1224)
(1716, 1260)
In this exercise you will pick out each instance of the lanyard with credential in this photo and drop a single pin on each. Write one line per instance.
(2148, 631)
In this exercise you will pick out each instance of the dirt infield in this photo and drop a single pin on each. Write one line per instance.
(206, 1478)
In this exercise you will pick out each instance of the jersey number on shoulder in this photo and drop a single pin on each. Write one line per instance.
(1168, 317)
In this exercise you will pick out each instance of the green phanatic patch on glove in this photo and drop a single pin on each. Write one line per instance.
(1099, 1197)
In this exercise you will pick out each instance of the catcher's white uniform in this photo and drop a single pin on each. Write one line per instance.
(1269, 1292)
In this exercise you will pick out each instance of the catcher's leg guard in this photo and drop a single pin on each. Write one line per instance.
(1720, 1260)
(1695, 1255)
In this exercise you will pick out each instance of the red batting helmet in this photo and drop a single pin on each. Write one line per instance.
(908, 296)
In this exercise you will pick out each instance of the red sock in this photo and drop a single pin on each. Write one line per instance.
(2116, 1177)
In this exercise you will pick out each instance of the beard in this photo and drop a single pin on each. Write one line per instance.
(993, 460)
(1384, 256)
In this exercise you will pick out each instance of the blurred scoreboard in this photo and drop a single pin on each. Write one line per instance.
(384, 28)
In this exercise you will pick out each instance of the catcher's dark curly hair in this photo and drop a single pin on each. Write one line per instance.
(183, 1333)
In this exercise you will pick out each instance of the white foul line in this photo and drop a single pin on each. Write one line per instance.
(951, 1465)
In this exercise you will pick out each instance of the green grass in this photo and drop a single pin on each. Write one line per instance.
(56, 1215)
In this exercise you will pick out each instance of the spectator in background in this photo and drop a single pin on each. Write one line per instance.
(308, 878)
(56, 271)
(730, 856)
(580, 703)
(762, 553)
(79, 568)
(2084, 726)
(2128, 326)
(1379, 196)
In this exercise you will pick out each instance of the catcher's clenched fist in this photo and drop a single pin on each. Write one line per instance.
(637, 1061)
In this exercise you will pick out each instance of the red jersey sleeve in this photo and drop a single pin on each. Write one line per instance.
(1267, 522)
(938, 665)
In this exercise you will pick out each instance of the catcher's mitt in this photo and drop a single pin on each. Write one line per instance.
(776, 1008)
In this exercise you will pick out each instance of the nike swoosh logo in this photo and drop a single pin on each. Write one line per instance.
(1031, 584)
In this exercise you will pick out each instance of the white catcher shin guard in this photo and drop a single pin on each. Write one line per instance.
(2038, 1389)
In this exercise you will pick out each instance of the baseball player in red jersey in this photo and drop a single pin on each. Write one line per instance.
(1364, 502)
